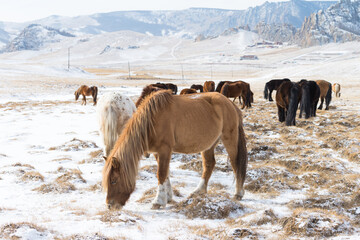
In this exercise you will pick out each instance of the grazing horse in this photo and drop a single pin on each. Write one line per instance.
(272, 85)
(188, 91)
(86, 91)
(336, 89)
(310, 94)
(238, 89)
(146, 91)
(325, 93)
(113, 111)
(160, 126)
(197, 87)
(288, 96)
(221, 84)
(171, 86)
(209, 86)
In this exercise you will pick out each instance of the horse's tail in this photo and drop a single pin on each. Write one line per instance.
(306, 100)
(266, 91)
(293, 105)
(225, 90)
(242, 158)
(95, 93)
(108, 123)
(328, 97)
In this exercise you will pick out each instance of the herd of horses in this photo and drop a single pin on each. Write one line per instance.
(162, 122)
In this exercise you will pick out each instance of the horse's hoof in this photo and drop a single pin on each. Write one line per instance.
(238, 197)
(156, 206)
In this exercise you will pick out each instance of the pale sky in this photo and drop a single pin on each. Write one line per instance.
(27, 10)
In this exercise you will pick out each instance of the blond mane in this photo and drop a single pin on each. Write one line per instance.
(133, 141)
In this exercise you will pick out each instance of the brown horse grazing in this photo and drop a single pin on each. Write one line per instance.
(197, 87)
(146, 91)
(272, 85)
(288, 97)
(336, 89)
(209, 86)
(160, 126)
(325, 93)
(238, 89)
(188, 91)
(86, 91)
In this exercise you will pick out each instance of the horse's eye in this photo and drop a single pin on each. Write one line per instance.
(113, 182)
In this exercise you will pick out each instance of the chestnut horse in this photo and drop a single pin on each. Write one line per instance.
(336, 89)
(288, 97)
(160, 126)
(238, 89)
(113, 111)
(209, 86)
(188, 91)
(86, 91)
(221, 84)
(325, 93)
(272, 85)
(310, 94)
(197, 87)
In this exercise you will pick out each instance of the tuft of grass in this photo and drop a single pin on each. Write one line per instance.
(32, 176)
(8, 231)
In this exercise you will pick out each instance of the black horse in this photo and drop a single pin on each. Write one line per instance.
(220, 85)
(197, 87)
(288, 96)
(171, 86)
(272, 85)
(309, 98)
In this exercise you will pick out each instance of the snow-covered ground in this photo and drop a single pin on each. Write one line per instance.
(302, 182)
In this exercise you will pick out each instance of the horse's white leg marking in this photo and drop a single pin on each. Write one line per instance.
(161, 197)
(169, 192)
(201, 188)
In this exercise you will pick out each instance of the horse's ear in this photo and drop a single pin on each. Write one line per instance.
(115, 163)
(105, 158)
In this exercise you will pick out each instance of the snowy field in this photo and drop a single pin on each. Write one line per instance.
(302, 182)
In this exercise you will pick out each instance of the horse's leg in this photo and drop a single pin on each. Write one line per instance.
(84, 100)
(208, 163)
(243, 101)
(163, 159)
(321, 103)
(301, 110)
(270, 98)
(169, 192)
(281, 114)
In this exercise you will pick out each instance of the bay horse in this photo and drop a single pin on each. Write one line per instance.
(310, 94)
(188, 91)
(159, 126)
(198, 87)
(238, 89)
(146, 91)
(272, 85)
(288, 97)
(325, 93)
(336, 89)
(221, 84)
(209, 86)
(86, 91)
(113, 111)
(171, 86)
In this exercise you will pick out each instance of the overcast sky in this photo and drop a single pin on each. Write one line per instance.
(26, 10)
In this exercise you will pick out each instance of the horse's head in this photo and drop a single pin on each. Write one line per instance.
(113, 182)
(77, 94)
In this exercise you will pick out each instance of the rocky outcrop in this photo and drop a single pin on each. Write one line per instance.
(276, 33)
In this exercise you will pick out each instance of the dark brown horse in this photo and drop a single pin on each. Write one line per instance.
(188, 91)
(272, 85)
(325, 93)
(310, 93)
(146, 91)
(197, 87)
(238, 89)
(288, 97)
(171, 86)
(86, 91)
(209, 86)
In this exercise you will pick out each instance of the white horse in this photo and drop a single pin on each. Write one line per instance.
(336, 89)
(113, 110)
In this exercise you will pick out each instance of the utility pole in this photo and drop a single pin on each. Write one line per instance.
(129, 70)
(182, 72)
(69, 58)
